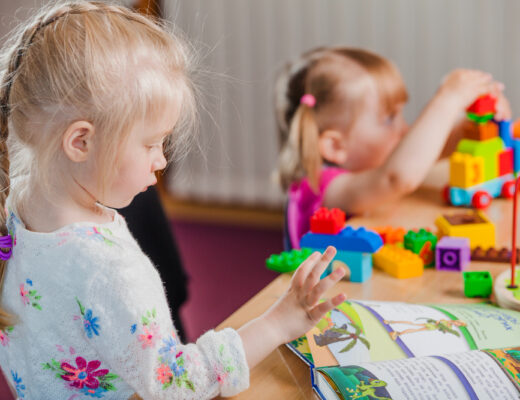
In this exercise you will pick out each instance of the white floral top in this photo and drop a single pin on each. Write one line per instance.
(93, 322)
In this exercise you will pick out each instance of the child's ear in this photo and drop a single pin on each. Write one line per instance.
(77, 141)
(332, 147)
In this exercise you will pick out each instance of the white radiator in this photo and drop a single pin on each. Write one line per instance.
(247, 41)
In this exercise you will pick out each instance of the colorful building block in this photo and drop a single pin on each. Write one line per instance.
(480, 119)
(492, 254)
(287, 261)
(487, 149)
(327, 221)
(516, 148)
(390, 235)
(506, 132)
(398, 262)
(483, 105)
(422, 243)
(477, 283)
(354, 248)
(452, 254)
(466, 196)
(475, 131)
(515, 129)
(466, 170)
(474, 225)
(505, 162)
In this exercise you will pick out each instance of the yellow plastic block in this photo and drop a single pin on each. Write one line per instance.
(398, 262)
(472, 224)
(487, 149)
(466, 170)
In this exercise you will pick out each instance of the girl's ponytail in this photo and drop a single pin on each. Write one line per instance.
(300, 155)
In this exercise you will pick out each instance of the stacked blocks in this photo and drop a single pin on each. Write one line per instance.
(354, 246)
(398, 262)
(485, 160)
(327, 221)
(287, 261)
(477, 284)
(488, 150)
(423, 243)
(473, 225)
(452, 254)
(466, 170)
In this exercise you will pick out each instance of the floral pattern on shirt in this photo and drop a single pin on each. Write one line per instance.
(222, 370)
(4, 335)
(171, 366)
(18, 385)
(29, 296)
(150, 334)
(84, 377)
(90, 323)
(95, 233)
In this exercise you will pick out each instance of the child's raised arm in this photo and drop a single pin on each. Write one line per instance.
(408, 165)
(296, 311)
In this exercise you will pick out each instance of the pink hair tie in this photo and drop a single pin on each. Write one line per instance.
(309, 100)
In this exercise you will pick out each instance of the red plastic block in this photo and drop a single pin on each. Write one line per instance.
(505, 161)
(483, 105)
(327, 221)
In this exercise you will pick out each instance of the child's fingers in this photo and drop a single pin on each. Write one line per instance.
(323, 285)
(314, 275)
(317, 312)
(303, 270)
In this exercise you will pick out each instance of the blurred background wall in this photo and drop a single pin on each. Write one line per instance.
(247, 41)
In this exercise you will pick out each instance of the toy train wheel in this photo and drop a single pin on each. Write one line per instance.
(508, 189)
(446, 194)
(481, 199)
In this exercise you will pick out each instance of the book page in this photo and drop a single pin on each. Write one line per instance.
(471, 375)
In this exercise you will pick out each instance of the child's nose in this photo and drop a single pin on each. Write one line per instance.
(159, 163)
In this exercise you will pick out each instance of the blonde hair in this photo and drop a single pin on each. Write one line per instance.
(335, 77)
(87, 61)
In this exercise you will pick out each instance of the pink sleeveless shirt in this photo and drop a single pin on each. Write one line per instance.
(303, 202)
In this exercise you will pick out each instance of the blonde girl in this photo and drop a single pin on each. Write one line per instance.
(340, 110)
(92, 95)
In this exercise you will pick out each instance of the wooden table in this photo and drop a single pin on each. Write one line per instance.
(282, 375)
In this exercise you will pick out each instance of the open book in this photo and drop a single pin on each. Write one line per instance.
(392, 350)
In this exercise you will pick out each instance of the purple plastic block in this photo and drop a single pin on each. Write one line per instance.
(452, 253)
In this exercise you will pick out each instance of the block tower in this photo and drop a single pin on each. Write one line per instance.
(486, 160)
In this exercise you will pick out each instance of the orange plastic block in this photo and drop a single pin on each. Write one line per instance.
(505, 161)
(475, 131)
(327, 221)
(483, 105)
(466, 170)
(390, 235)
(398, 262)
(516, 129)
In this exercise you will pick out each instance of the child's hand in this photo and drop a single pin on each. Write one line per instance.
(299, 309)
(503, 109)
(463, 86)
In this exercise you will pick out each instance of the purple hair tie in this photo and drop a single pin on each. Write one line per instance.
(6, 242)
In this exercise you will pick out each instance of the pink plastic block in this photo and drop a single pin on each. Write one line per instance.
(452, 253)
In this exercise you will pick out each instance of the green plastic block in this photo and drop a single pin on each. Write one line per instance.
(415, 241)
(477, 283)
(487, 149)
(287, 261)
(480, 119)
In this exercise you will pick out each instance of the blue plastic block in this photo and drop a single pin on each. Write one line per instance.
(348, 239)
(504, 128)
(359, 264)
(516, 148)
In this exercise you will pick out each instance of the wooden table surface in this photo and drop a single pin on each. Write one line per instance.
(284, 376)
